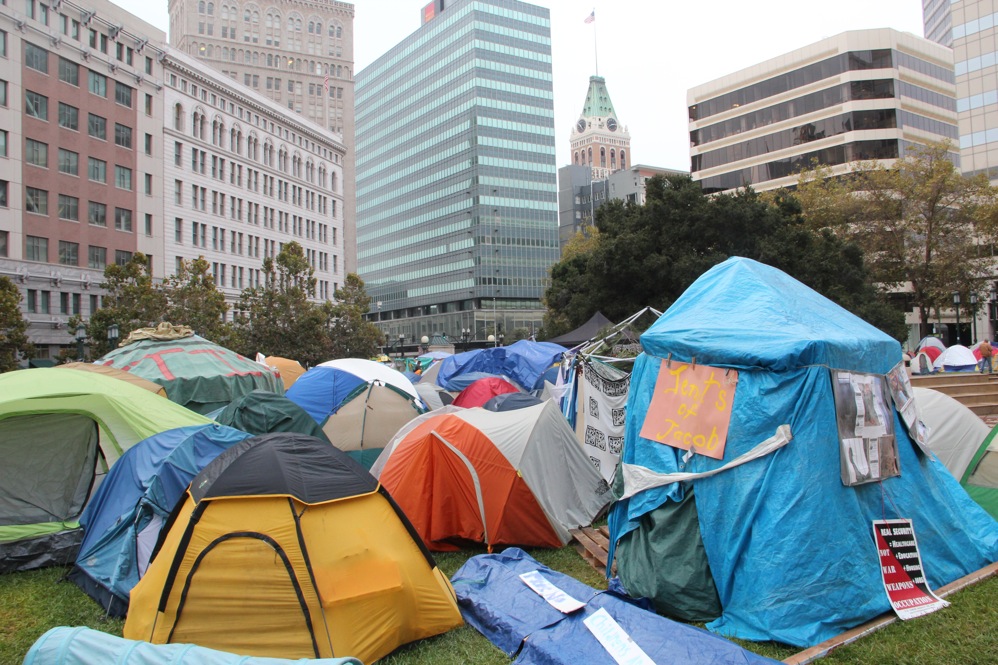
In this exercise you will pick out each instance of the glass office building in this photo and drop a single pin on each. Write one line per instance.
(457, 213)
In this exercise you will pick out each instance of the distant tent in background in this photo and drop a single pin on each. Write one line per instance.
(587, 331)
(930, 342)
(196, 373)
(522, 362)
(123, 521)
(932, 352)
(514, 478)
(482, 390)
(921, 363)
(114, 373)
(290, 369)
(356, 415)
(511, 402)
(283, 546)
(60, 431)
(956, 358)
(962, 442)
(263, 412)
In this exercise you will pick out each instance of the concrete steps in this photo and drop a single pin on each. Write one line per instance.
(978, 392)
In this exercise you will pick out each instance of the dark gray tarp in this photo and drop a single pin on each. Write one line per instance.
(585, 332)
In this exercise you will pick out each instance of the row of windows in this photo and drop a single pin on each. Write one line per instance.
(37, 58)
(36, 248)
(37, 201)
(788, 166)
(40, 302)
(220, 102)
(977, 101)
(812, 131)
(854, 90)
(977, 25)
(976, 64)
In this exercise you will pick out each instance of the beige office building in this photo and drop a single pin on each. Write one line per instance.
(300, 54)
(861, 95)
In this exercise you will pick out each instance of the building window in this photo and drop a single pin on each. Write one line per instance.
(69, 254)
(122, 94)
(178, 153)
(36, 153)
(123, 177)
(76, 303)
(122, 136)
(97, 127)
(148, 146)
(69, 72)
(97, 214)
(121, 257)
(97, 257)
(35, 105)
(69, 162)
(148, 224)
(3, 193)
(44, 297)
(69, 117)
(148, 184)
(178, 231)
(36, 201)
(36, 249)
(97, 83)
(36, 58)
(123, 220)
(3, 142)
(3, 93)
(69, 208)
(32, 301)
(97, 169)
(4, 239)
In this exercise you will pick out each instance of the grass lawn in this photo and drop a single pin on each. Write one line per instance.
(965, 633)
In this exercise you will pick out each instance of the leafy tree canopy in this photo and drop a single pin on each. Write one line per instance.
(926, 228)
(14, 343)
(195, 301)
(350, 335)
(131, 300)
(648, 255)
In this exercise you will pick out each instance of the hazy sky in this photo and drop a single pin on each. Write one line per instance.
(650, 52)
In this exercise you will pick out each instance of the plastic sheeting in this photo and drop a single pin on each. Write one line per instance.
(524, 362)
(789, 546)
(494, 600)
(84, 646)
(123, 521)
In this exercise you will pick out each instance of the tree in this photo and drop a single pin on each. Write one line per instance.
(279, 318)
(920, 221)
(131, 300)
(350, 335)
(648, 255)
(14, 341)
(195, 301)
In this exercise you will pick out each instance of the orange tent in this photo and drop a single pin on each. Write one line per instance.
(471, 474)
(290, 369)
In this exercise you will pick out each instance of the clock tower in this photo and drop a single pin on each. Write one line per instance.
(599, 141)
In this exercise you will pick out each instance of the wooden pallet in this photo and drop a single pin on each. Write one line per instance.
(593, 543)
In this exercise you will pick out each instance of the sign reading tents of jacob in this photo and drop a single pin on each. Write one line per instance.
(901, 569)
(691, 408)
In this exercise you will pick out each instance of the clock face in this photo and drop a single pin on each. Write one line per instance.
(581, 125)
(611, 124)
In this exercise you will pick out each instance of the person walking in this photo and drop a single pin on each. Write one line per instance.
(986, 352)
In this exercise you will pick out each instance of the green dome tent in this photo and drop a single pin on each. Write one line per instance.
(59, 433)
(196, 373)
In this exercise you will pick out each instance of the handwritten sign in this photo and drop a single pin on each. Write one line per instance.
(691, 408)
(556, 598)
(621, 646)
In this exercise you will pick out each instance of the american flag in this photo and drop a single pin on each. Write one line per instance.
(325, 82)
(591, 17)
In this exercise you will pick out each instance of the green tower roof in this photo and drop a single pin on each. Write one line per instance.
(598, 104)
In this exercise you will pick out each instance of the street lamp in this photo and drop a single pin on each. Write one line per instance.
(956, 305)
(501, 338)
(112, 336)
(424, 344)
(465, 337)
(492, 340)
(81, 336)
(401, 346)
(973, 314)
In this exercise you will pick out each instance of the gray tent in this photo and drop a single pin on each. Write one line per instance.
(585, 332)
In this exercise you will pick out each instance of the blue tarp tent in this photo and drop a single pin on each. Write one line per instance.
(524, 362)
(789, 547)
(496, 602)
(84, 646)
(321, 390)
(122, 522)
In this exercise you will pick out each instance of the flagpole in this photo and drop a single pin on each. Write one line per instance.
(595, 50)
